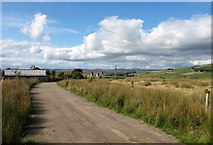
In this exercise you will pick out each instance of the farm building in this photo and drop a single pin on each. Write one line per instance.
(98, 74)
(40, 74)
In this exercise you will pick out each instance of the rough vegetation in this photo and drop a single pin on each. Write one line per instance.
(16, 107)
(75, 74)
(174, 105)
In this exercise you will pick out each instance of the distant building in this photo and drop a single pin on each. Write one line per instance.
(102, 75)
(170, 69)
(98, 74)
(33, 67)
(34, 72)
(91, 74)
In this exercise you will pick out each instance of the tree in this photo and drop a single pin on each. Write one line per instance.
(77, 74)
(78, 70)
(67, 76)
(3, 73)
(48, 72)
(61, 75)
(52, 75)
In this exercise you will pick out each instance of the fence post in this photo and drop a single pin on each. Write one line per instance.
(132, 82)
(207, 98)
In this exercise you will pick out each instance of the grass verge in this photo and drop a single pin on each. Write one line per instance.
(16, 106)
(171, 110)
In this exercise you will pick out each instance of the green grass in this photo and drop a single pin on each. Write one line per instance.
(16, 106)
(30, 141)
(206, 67)
(174, 111)
(176, 73)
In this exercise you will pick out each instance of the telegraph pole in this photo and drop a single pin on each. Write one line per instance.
(115, 71)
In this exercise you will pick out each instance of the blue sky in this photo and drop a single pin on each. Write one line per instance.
(74, 32)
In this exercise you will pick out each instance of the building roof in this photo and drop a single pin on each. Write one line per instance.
(24, 72)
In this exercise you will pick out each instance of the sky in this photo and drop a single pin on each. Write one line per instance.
(92, 35)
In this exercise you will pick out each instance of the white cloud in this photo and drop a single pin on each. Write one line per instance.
(46, 38)
(55, 53)
(35, 49)
(122, 37)
(200, 62)
(11, 48)
(37, 26)
(126, 43)
(175, 34)
(173, 43)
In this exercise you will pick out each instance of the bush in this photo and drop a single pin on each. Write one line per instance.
(77, 74)
(61, 75)
(147, 83)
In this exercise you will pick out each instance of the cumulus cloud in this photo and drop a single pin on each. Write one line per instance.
(125, 37)
(124, 42)
(175, 35)
(37, 26)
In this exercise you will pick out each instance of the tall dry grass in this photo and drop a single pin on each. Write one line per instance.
(174, 111)
(15, 108)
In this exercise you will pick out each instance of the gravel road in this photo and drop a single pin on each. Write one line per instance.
(59, 116)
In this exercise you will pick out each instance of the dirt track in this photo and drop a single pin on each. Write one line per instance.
(62, 117)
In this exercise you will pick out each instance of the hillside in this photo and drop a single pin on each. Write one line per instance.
(202, 71)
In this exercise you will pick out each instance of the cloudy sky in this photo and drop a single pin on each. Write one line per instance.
(102, 35)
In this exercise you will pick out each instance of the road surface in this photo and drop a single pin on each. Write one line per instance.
(59, 116)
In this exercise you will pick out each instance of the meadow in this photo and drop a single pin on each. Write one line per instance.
(175, 105)
(203, 71)
(16, 106)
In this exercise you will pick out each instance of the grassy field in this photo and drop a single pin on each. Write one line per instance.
(15, 108)
(180, 73)
(175, 105)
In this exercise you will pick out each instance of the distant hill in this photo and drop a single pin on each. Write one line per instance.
(106, 71)
(203, 68)
(202, 71)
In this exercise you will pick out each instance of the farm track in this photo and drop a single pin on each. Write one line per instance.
(59, 116)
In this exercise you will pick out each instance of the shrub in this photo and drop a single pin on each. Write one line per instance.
(147, 83)
(77, 74)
